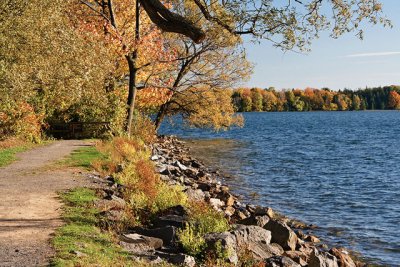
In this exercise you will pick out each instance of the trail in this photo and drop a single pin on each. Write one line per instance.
(29, 207)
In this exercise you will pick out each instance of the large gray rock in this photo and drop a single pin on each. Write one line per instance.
(282, 234)
(227, 242)
(280, 261)
(246, 234)
(139, 244)
(195, 194)
(322, 259)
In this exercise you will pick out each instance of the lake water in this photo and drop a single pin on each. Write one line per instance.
(338, 170)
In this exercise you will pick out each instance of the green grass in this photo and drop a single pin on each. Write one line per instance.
(80, 242)
(83, 157)
(7, 155)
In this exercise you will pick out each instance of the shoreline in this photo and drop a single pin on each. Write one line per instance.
(176, 166)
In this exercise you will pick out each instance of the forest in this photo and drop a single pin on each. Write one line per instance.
(309, 99)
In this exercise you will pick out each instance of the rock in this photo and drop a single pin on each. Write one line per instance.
(170, 220)
(154, 157)
(195, 195)
(280, 261)
(167, 233)
(344, 259)
(312, 239)
(181, 166)
(255, 220)
(227, 242)
(113, 215)
(282, 234)
(229, 211)
(204, 186)
(227, 198)
(250, 233)
(322, 259)
(297, 256)
(254, 240)
(182, 260)
(176, 210)
(139, 244)
(78, 253)
(216, 203)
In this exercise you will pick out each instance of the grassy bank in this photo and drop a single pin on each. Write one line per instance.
(80, 242)
(10, 147)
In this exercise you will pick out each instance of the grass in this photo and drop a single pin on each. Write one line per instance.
(80, 242)
(83, 157)
(8, 155)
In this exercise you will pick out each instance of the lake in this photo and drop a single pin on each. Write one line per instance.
(338, 170)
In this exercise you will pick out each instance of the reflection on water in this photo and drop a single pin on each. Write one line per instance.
(338, 170)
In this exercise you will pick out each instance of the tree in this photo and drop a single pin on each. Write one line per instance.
(394, 100)
(288, 25)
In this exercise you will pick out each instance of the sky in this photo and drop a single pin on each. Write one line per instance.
(347, 62)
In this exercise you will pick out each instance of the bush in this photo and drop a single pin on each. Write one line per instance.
(202, 220)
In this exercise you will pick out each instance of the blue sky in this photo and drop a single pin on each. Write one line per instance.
(347, 62)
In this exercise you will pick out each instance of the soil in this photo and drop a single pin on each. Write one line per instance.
(30, 209)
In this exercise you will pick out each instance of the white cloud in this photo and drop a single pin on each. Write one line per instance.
(376, 54)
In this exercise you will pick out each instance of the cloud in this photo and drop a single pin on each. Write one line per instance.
(376, 54)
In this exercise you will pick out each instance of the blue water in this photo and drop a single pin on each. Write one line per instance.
(338, 170)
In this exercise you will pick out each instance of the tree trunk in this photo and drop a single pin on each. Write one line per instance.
(132, 90)
(161, 115)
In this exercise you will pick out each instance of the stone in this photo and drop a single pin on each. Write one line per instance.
(216, 203)
(250, 233)
(181, 166)
(312, 239)
(229, 211)
(177, 221)
(322, 259)
(204, 186)
(195, 194)
(297, 256)
(228, 244)
(344, 259)
(255, 220)
(182, 260)
(113, 215)
(282, 234)
(281, 261)
(139, 244)
(167, 233)
(154, 157)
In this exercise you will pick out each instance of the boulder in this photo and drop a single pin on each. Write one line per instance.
(297, 256)
(255, 220)
(195, 194)
(255, 240)
(177, 221)
(139, 244)
(182, 260)
(167, 233)
(227, 242)
(322, 259)
(344, 259)
(312, 239)
(282, 234)
(250, 233)
(280, 261)
(229, 211)
(216, 203)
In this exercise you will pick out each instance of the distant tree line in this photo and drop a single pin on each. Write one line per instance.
(309, 99)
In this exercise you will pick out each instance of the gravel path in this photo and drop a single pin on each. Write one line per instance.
(29, 207)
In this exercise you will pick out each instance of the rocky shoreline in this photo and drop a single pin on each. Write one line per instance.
(261, 233)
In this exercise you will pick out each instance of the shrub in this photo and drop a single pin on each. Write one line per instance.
(202, 220)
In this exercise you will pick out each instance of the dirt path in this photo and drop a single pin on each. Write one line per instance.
(29, 208)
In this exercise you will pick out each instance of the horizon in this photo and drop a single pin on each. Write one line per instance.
(337, 64)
